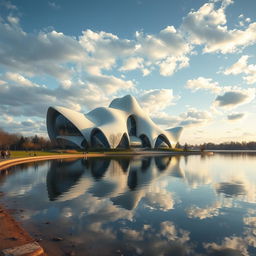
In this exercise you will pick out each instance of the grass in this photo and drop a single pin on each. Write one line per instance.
(21, 153)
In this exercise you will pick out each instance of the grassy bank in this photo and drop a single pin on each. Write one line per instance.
(21, 153)
(29, 153)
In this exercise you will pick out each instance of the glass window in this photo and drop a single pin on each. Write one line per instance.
(64, 127)
(131, 126)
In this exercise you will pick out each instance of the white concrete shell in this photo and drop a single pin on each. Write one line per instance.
(108, 126)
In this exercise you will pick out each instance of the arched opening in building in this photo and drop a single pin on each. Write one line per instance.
(98, 139)
(162, 142)
(65, 133)
(131, 126)
(145, 141)
(85, 144)
(67, 144)
(63, 127)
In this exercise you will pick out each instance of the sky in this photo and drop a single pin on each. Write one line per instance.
(188, 63)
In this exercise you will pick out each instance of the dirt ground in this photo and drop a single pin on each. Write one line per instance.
(11, 233)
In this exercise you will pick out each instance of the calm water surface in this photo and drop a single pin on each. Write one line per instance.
(190, 205)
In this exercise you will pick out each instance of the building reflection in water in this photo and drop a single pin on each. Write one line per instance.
(141, 206)
(124, 181)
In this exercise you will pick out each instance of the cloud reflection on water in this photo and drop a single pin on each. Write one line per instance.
(148, 206)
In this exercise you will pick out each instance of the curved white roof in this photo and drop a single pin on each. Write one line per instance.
(112, 123)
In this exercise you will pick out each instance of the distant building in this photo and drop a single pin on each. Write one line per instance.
(123, 124)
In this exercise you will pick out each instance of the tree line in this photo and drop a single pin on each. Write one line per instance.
(13, 141)
(232, 145)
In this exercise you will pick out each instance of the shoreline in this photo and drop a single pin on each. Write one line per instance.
(15, 240)
(4, 164)
(12, 235)
(16, 161)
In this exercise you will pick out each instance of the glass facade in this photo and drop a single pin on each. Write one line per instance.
(98, 140)
(131, 126)
(145, 141)
(63, 127)
(162, 142)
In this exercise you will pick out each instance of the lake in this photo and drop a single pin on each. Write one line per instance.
(179, 205)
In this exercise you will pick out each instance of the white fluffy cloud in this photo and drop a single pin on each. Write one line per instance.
(242, 67)
(192, 117)
(21, 97)
(157, 99)
(208, 26)
(168, 49)
(195, 117)
(229, 246)
(169, 42)
(132, 63)
(227, 96)
(203, 213)
(45, 53)
(202, 83)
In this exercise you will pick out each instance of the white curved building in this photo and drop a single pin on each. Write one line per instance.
(121, 125)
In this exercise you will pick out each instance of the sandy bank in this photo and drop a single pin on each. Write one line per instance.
(13, 238)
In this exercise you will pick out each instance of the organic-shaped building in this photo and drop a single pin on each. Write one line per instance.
(121, 125)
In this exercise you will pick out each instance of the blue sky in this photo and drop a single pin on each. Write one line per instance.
(189, 63)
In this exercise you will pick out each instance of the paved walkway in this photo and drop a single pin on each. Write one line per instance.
(15, 161)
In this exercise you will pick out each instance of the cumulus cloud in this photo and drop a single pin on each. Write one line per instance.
(156, 100)
(46, 53)
(132, 63)
(169, 42)
(77, 66)
(168, 49)
(229, 246)
(208, 26)
(165, 119)
(161, 200)
(234, 98)
(227, 96)
(242, 67)
(235, 116)
(202, 83)
(192, 117)
(195, 117)
(22, 97)
(203, 213)
(8, 123)
(111, 84)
